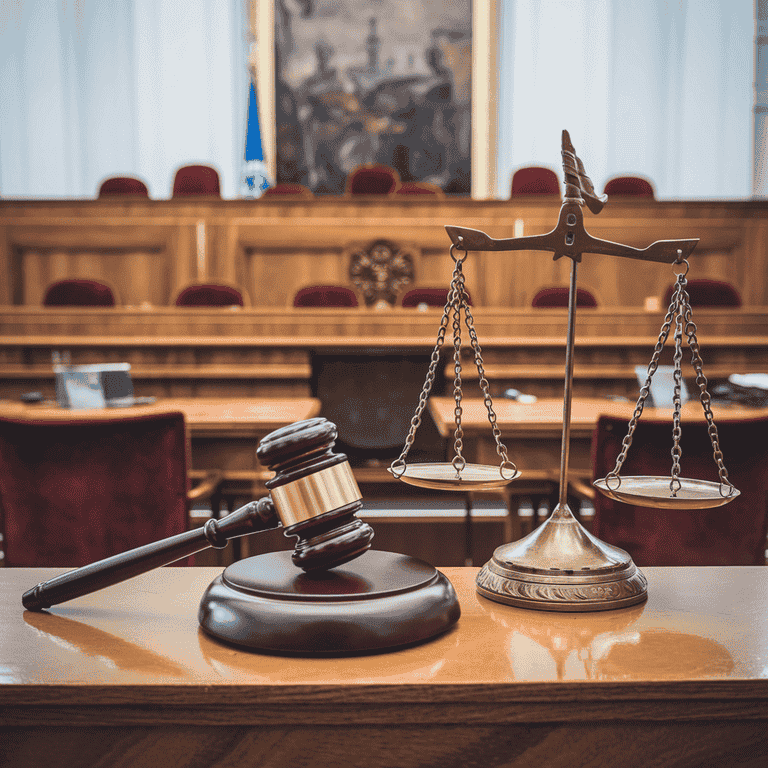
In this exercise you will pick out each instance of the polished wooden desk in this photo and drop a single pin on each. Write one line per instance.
(532, 432)
(125, 677)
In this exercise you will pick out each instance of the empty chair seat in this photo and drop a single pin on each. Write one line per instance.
(79, 292)
(704, 292)
(211, 295)
(372, 180)
(77, 490)
(629, 185)
(733, 534)
(557, 296)
(535, 180)
(123, 185)
(194, 180)
(325, 296)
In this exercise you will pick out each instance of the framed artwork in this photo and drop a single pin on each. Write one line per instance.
(344, 83)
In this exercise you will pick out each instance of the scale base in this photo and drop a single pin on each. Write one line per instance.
(375, 603)
(561, 567)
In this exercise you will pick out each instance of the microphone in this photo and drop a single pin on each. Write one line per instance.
(313, 495)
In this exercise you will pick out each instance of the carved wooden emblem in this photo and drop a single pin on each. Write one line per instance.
(381, 273)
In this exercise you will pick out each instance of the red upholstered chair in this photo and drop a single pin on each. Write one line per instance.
(211, 295)
(294, 190)
(557, 296)
(325, 296)
(78, 292)
(419, 189)
(76, 490)
(196, 180)
(733, 534)
(432, 297)
(372, 180)
(629, 185)
(123, 185)
(708, 293)
(535, 180)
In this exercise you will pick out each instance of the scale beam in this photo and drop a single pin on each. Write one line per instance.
(569, 238)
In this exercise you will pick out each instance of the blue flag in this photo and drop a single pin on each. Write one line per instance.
(254, 177)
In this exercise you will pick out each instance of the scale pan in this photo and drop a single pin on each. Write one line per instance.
(646, 491)
(443, 477)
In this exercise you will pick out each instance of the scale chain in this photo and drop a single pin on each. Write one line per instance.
(704, 396)
(675, 485)
(680, 310)
(399, 462)
(501, 449)
(458, 297)
(398, 465)
(644, 392)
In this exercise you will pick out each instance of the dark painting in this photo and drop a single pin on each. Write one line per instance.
(373, 81)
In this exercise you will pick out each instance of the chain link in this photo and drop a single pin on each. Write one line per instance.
(501, 449)
(457, 295)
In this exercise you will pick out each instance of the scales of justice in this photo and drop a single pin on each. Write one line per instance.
(560, 566)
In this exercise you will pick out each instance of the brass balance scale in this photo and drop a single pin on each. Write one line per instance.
(560, 566)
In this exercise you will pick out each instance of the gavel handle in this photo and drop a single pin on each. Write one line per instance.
(253, 517)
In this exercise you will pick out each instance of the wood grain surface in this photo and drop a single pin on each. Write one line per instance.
(125, 677)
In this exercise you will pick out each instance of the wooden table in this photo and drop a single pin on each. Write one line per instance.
(125, 677)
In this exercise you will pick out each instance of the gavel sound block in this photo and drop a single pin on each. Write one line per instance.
(331, 595)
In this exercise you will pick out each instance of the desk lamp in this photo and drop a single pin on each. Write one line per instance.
(331, 595)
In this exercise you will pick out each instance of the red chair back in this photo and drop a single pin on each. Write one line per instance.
(325, 296)
(78, 490)
(194, 180)
(280, 190)
(432, 297)
(704, 292)
(629, 185)
(733, 534)
(557, 296)
(78, 292)
(210, 295)
(123, 185)
(372, 180)
(535, 180)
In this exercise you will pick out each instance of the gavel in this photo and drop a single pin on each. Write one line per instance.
(313, 495)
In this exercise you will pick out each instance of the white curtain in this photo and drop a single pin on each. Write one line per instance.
(98, 88)
(657, 88)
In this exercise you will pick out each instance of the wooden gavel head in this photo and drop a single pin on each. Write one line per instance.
(315, 494)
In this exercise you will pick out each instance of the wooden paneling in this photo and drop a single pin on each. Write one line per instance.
(250, 352)
(149, 249)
